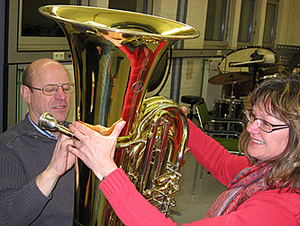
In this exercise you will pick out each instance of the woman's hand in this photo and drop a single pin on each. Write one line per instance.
(96, 150)
(184, 110)
(101, 129)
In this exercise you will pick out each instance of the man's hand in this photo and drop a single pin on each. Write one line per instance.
(62, 160)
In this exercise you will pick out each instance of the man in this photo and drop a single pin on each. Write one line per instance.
(36, 174)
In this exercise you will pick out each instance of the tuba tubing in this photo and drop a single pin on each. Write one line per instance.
(114, 56)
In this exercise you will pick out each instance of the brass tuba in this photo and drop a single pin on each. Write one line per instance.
(114, 55)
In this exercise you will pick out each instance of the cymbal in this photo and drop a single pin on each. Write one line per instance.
(230, 78)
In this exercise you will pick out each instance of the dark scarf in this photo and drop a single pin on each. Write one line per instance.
(246, 184)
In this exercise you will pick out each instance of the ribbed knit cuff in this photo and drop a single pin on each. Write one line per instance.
(114, 182)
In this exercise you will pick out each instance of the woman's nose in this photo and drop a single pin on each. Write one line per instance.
(253, 127)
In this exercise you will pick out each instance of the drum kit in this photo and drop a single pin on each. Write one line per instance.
(240, 72)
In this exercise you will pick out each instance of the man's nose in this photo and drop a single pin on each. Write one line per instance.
(60, 93)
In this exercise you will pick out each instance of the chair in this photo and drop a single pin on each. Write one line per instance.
(191, 99)
(227, 138)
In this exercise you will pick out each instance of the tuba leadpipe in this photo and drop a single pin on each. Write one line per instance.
(114, 56)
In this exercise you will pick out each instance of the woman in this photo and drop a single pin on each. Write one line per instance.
(263, 185)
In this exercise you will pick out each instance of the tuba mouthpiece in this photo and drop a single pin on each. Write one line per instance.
(48, 122)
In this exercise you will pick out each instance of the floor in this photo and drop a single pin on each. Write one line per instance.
(194, 207)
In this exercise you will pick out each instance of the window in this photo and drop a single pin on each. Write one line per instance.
(35, 24)
(246, 21)
(270, 23)
(215, 20)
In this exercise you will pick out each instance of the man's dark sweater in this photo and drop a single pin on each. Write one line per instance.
(24, 154)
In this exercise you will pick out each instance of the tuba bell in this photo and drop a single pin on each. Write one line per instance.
(114, 55)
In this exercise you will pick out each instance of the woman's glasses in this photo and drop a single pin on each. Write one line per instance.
(263, 124)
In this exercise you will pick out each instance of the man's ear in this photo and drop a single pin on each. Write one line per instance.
(25, 91)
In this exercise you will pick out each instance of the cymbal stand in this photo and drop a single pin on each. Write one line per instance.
(255, 65)
(232, 90)
(255, 70)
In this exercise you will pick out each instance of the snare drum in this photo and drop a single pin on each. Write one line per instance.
(221, 108)
(227, 108)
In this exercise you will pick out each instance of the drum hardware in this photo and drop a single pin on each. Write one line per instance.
(230, 78)
(255, 56)
(267, 59)
(226, 110)
(256, 52)
(264, 61)
(232, 89)
(236, 64)
(241, 68)
(266, 77)
(256, 69)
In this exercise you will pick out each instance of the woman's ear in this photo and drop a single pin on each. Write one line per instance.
(25, 91)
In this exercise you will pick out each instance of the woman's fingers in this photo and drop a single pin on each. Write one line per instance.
(117, 127)
(95, 149)
(101, 129)
(185, 110)
(91, 142)
(82, 129)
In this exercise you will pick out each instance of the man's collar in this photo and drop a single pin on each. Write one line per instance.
(42, 131)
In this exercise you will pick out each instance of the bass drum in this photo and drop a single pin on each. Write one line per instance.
(243, 88)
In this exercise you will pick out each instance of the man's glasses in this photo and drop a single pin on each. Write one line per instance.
(262, 124)
(51, 89)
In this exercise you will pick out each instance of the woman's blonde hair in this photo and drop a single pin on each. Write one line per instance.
(279, 97)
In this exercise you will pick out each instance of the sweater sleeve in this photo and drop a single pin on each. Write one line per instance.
(268, 208)
(130, 206)
(20, 201)
(214, 157)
